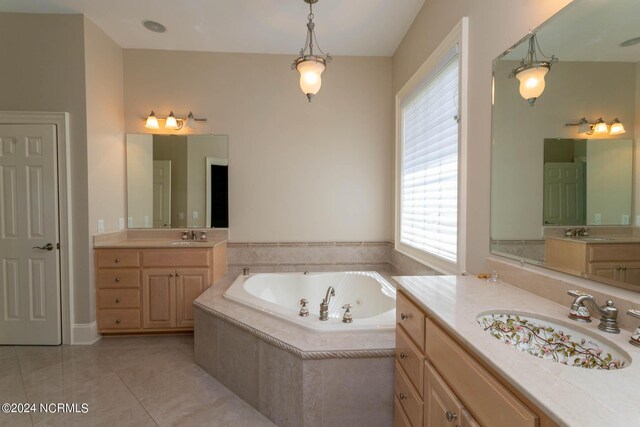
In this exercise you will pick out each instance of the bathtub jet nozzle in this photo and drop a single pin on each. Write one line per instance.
(324, 305)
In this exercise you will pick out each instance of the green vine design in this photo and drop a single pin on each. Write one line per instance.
(547, 343)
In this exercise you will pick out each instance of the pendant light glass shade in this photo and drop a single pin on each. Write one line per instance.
(616, 128)
(152, 121)
(310, 76)
(532, 82)
(171, 122)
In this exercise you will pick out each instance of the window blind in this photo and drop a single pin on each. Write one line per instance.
(429, 174)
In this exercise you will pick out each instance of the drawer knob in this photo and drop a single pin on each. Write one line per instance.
(404, 316)
(117, 260)
(177, 274)
(170, 274)
(117, 300)
(117, 279)
(402, 396)
(451, 416)
(403, 355)
(117, 321)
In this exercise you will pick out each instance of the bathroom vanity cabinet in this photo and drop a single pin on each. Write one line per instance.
(152, 290)
(438, 382)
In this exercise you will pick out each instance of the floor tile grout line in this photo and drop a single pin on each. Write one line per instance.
(135, 397)
(22, 381)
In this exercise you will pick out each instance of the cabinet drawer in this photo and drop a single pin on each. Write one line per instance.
(177, 258)
(117, 258)
(118, 278)
(480, 392)
(614, 252)
(118, 298)
(399, 417)
(411, 318)
(411, 360)
(409, 399)
(126, 318)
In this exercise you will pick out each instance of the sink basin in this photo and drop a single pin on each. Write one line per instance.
(553, 341)
(595, 239)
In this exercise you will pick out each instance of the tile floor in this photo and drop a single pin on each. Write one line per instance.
(126, 381)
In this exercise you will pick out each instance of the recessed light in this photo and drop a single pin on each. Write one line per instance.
(154, 26)
(630, 42)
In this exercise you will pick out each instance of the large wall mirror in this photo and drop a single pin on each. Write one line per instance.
(177, 181)
(562, 190)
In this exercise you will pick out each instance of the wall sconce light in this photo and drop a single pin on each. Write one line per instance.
(532, 71)
(600, 127)
(171, 122)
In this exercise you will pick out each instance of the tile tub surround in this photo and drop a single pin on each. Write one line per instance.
(554, 286)
(568, 395)
(321, 256)
(293, 376)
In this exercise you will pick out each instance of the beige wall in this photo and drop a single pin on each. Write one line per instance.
(573, 90)
(300, 171)
(106, 167)
(43, 70)
(494, 25)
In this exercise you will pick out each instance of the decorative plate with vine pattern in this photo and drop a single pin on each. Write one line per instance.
(548, 342)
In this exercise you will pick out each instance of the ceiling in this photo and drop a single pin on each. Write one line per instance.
(343, 27)
(589, 30)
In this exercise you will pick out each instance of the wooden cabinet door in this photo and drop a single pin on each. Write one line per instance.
(441, 407)
(190, 283)
(608, 270)
(158, 298)
(466, 420)
(630, 273)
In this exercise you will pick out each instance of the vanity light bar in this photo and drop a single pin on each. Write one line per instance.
(599, 127)
(171, 122)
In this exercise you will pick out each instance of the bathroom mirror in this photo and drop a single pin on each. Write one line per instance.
(549, 170)
(177, 181)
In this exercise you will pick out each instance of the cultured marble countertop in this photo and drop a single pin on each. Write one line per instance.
(598, 239)
(160, 243)
(570, 395)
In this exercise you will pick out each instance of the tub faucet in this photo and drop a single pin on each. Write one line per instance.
(324, 305)
(608, 312)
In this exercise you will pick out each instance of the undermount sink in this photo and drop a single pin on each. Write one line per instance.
(553, 341)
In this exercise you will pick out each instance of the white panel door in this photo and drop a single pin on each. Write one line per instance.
(161, 193)
(29, 258)
(564, 193)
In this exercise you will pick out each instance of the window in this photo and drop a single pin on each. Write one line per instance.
(429, 115)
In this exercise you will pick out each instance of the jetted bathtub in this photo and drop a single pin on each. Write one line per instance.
(372, 298)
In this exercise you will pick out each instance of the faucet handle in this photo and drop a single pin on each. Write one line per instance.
(635, 337)
(347, 318)
(304, 311)
(185, 235)
(304, 302)
(634, 313)
(576, 293)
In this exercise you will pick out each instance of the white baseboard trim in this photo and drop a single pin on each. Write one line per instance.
(84, 333)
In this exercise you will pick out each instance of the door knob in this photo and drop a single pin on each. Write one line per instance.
(47, 247)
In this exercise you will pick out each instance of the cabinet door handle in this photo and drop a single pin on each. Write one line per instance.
(177, 274)
(117, 321)
(117, 260)
(403, 355)
(402, 396)
(170, 274)
(404, 316)
(117, 279)
(618, 268)
(451, 416)
(624, 268)
(117, 300)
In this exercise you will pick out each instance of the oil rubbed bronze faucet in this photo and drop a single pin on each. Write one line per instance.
(608, 312)
(324, 305)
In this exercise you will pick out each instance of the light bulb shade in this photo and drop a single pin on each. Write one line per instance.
(191, 120)
(600, 127)
(616, 128)
(532, 81)
(310, 75)
(171, 122)
(152, 121)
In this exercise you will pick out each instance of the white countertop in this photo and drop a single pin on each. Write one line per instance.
(570, 395)
(160, 243)
(605, 240)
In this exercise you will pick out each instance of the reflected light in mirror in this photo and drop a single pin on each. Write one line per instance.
(532, 82)
(152, 121)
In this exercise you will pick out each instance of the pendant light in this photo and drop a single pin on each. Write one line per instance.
(309, 65)
(531, 72)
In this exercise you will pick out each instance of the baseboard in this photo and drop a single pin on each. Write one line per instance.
(84, 333)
